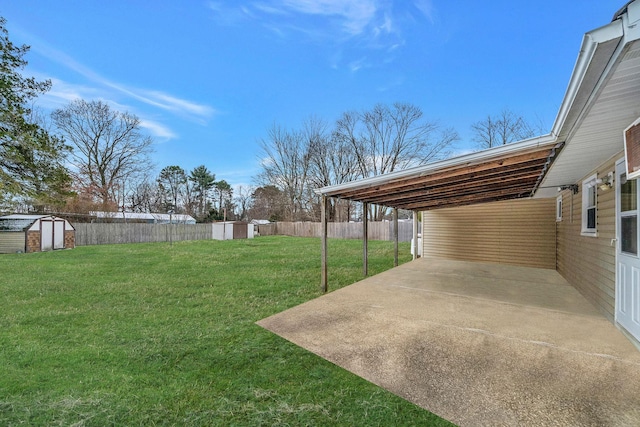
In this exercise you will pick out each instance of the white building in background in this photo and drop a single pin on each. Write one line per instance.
(148, 218)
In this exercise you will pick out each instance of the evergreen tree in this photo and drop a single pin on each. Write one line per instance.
(31, 160)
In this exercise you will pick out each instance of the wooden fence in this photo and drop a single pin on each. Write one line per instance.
(382, 230)
(112, 233)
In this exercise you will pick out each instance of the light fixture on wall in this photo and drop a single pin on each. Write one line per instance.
(572, 187)
(606, 182)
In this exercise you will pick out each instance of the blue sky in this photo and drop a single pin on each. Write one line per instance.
(208, 78)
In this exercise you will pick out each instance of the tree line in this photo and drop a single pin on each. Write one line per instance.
(87, 156)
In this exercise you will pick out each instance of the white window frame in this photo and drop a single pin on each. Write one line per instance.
(559, 208)
(587, 185)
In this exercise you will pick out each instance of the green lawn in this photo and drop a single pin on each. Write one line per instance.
(152, 334)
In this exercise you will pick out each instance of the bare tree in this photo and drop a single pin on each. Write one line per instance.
(286, 166)
(502, 129)
(331, 161)
(109, 148)
(370, 143)
(397, 137)
(243, 200)
(385, 139)
(145, 197)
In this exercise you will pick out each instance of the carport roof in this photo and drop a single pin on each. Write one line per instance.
(507, 172)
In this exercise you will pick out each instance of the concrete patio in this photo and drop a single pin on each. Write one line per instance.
(478, 344)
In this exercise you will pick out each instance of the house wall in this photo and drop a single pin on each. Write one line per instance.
(11, 242)
(517, 232)
(588, 263)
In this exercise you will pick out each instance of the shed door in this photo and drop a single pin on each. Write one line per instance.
(46, 235)
(58, 234)
(239, 230)
(627, 254)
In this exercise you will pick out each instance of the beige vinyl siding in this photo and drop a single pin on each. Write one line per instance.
(589, 263)
(11, 242)
(517, 232)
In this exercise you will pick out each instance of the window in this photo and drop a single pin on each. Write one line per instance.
(559, 208)
(589, 206)
(628, 215)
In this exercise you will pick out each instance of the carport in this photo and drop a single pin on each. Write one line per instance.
(479, 344)
(508, 172)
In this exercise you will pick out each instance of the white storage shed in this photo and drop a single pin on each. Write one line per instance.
(35, 233)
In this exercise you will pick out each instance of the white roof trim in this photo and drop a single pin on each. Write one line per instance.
(587, 50)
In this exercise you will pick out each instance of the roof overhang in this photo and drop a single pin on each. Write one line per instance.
(600, 102)
(507, 172)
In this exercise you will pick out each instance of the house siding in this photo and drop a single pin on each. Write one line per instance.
(589, 263)
(517, 232)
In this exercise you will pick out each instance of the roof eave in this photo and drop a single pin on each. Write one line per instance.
(470, 158)
(589, 55)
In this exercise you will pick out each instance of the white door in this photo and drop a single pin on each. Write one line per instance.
(46, 235)
(58, 234)
(627, 256)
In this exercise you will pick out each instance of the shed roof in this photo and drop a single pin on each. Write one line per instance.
(23, 216)
(19, 222)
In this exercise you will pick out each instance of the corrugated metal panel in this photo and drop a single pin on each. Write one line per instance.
(11, 242)
(518, 232)
(588, 263)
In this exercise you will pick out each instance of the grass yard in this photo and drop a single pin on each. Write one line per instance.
(152, 334)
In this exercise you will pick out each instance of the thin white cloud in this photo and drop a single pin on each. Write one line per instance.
(356, 14)
(172, 103)
(229, 15)
(352, 27)
(157, 129)
(357, 65)
(386, 26)
(150, 97)
(427, 9)
(61, 93)
(272, 10)
(392, 84)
